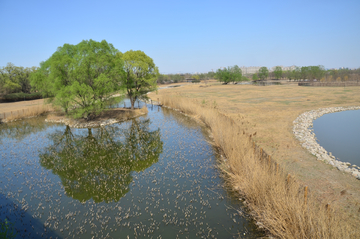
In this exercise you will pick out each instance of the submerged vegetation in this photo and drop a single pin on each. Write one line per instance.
(279, 203)
(7, 230)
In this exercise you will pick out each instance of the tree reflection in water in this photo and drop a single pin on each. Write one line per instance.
(98, 164)
(20, 129)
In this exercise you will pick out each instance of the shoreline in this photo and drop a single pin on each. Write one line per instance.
(91, 124)
(307, 138)
(106, 118)
(275, 198)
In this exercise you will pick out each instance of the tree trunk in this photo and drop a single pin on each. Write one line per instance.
(132, 100)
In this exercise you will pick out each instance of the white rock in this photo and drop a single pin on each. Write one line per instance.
(303, 132)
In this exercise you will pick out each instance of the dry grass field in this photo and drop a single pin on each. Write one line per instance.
(21, 109)
(267, 114)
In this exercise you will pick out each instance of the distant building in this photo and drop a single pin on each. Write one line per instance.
(255, 69)
(284, 68)
(250, 69)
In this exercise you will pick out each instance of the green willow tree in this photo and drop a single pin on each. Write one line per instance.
(312, 72)
(278, 72)
(140, 75)
(15, 79)
(223, 75)
(263, 73)
(81, 78)
(230, 74)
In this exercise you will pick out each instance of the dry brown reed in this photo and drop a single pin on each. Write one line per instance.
(26, 113)
(128, 114)
(144, 110)
(277, 201)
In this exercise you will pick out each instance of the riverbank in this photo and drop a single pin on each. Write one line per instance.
(110, 116)
(23, 109)
(266, 115)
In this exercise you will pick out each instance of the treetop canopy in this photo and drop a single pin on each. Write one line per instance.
(81, 77)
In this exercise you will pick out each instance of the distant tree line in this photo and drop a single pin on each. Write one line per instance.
(309, 73)
(15, 79)
(341, 75)
(172, 78)
(176, 78)
(230, 74)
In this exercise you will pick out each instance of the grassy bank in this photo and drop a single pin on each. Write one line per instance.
(267, 113)
(280, 202)
(31, 111)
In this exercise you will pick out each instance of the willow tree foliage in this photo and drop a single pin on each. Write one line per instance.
(263, 73)
(15, 79)
(140, 74)
(278, 72)
(81, 78)
(230, 74)
(312, 72)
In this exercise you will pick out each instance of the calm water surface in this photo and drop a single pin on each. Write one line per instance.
(339, 133)
(150, 177)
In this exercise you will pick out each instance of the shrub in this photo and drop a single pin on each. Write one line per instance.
(21, 96)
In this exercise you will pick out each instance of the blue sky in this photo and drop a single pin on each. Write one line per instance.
(188, 36)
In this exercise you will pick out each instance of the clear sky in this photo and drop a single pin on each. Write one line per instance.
(188, 36)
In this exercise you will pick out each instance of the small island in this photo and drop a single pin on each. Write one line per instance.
(107, 117)
(83, 96)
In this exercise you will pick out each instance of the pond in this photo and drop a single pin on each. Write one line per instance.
(150, 177)
(339, 133)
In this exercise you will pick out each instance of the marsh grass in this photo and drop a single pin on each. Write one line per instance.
(31, 111)
(278, 202)
(259, 112)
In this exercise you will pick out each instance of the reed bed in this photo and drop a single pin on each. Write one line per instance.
(128, 114)
(25, 113)
(277, 201)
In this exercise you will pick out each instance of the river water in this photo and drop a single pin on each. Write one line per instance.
(339, 133)
(150, 177)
